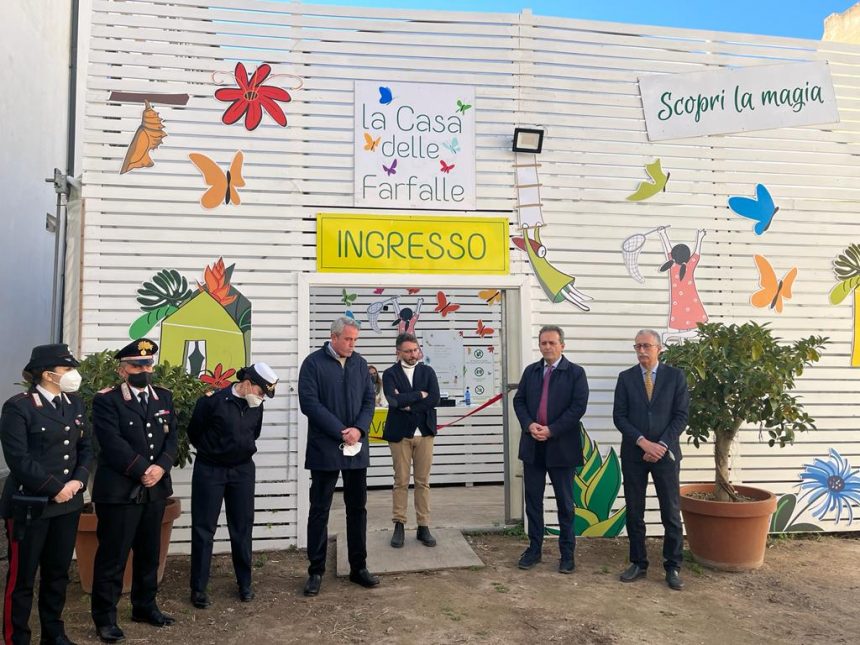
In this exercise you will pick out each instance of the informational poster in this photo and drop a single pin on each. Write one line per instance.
(443, 351)
(737, 99)
(414, 145)
(479, 372)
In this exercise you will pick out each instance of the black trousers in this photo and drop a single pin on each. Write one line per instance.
(47, 545)
(534, 480)
(665, 474)
(323, 483)
(210, 485)
(121, 528)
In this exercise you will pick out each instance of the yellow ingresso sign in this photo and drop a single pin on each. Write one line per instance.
(412, 244)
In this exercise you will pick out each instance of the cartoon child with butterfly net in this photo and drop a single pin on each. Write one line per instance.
(685, 307)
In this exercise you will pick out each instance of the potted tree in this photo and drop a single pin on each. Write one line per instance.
(737, 374)
(99, 371)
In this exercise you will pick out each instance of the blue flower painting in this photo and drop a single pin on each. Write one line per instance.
(830, 485)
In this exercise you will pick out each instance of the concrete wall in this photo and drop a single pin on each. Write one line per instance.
(34, 55)
(843, 27)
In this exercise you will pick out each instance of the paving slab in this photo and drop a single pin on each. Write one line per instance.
(452, 551)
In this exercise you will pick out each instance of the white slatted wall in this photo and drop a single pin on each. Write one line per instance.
(577, 79)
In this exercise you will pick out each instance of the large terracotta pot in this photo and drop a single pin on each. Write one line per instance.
(731, 536)
(87, 542)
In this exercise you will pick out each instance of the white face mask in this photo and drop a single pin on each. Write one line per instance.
(253, 400)
(69, 381)
(350, 451)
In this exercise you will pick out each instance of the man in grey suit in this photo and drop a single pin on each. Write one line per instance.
(651, 406)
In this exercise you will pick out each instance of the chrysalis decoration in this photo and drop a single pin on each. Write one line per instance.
(148, 137)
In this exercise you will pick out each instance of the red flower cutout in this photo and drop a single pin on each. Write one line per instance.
(251, 97)
(218, 378)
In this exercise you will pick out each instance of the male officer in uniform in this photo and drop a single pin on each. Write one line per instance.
(224, 430)
(135, 426)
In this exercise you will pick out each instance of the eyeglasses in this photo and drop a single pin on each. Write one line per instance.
(645, 346)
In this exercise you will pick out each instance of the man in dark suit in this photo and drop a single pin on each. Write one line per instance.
(412, 391)
(651, 406)
(549, 403)
(337, 396)
(135, 425)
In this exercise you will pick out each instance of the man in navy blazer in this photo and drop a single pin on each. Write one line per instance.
(651, 407)
(549, 403)
(412, 391)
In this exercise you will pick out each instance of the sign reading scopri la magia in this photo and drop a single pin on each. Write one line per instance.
(737, 100)
(414, 146)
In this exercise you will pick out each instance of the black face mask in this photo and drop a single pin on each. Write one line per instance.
(140, 380)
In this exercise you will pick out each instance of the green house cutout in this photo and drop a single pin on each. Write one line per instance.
(203, 333)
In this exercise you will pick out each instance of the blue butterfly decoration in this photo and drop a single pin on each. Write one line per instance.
(385, 96)
(453, 146)
(759, 209)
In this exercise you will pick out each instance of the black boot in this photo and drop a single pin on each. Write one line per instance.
(398, 537)
(425, 537)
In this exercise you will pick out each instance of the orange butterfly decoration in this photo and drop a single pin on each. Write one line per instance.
(148, 137)
(772, 291)
(222, 185)
(492, 296)
(412, 291)
(483, 330)
(370, 143)
(443, 306)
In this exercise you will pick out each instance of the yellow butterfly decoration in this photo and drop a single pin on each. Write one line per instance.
(147, 137)
(370, 143)
(772, 291)
(222, 185)
(491, 296)
(656, 183)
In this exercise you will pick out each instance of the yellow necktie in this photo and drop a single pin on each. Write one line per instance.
(649, 384)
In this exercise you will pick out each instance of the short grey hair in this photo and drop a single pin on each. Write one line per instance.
(653, 333)
(558, 330)
(344, 321)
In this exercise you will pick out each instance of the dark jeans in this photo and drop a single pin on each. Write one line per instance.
(534, 479)
(47, 545)
(665, 474)
(121, 528)
(323, 483)
(210, 486)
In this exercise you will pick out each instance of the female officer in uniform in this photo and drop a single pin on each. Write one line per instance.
(224, 429)
(46, 444)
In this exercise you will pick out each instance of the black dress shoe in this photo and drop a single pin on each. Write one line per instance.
(312, 586)
(200, 600)
(364, 578)
(152, 617)
(110, 634)
(529, 559)
(246, 594)
(566, 565)
(57, 640)
(398, 537)
(673, 579)
(633, 573)
(425, 537)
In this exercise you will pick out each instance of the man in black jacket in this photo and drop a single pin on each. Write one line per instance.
(224, 429)
(650, 411)
(135, 426)
(549, 403)
(412, 391)
(337, 396)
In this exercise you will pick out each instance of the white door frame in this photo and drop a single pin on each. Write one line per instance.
(520, 343)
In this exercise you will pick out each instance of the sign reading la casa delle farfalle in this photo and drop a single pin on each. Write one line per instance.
(739, 99)
(414, 146)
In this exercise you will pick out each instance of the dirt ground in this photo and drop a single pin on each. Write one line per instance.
(806, 593)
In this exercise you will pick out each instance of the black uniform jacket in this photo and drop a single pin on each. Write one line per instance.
(130, 441)
(224, 428)
(44, 448)
(401, 423)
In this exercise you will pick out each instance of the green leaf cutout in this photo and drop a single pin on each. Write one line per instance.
(141, 327)
(842, 289)
(784, 510)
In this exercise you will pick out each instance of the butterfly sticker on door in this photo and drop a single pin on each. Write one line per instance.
(443, 305)
(773, 291)
(222, 185)
(483, 331)
(759, 209)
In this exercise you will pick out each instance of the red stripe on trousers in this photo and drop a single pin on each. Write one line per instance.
(10, 583)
